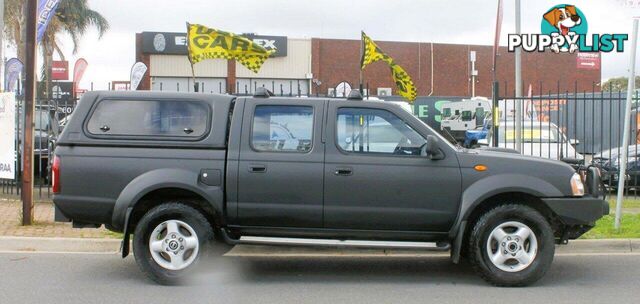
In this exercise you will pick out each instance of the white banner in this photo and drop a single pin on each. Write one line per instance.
(7, 135)
(137, 72)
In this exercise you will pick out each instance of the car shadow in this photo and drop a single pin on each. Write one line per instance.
(433, 271)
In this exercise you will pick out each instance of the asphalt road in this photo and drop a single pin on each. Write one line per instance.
(105, 278)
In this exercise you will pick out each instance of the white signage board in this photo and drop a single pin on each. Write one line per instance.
(7, 135)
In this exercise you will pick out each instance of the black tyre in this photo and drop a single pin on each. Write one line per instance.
(169, 240)
(511, 245)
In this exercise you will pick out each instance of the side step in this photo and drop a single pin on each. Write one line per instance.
(259, 240)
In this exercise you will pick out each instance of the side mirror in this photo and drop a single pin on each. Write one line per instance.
(574, 142)
(431, 148)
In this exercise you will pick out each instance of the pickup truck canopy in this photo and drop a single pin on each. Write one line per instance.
(149, 119)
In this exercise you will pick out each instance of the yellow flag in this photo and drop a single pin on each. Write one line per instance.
(206, 43)
(372, 53)
(403, 81)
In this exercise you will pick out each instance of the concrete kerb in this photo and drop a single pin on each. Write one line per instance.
(84, 245)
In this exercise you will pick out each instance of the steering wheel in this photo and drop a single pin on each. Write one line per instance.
(400, 148)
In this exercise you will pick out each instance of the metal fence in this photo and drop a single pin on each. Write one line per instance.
(583, 126)
(555, 124)
(49, 118)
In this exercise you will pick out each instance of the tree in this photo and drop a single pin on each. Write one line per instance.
(14, 23)
(73, 17)
(618, 84)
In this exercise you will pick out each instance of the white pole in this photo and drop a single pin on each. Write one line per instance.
(518, 103)
(627, 124)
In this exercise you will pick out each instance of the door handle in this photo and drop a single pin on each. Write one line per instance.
(257, 168)
(343, 171)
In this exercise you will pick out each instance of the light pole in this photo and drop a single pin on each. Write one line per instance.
(627, 124)
(518, 101)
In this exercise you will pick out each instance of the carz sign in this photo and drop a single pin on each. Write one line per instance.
(176, 43)
(7, 135)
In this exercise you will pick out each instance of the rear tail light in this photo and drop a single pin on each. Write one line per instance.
(55, 175)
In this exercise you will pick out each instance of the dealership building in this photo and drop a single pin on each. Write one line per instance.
(332, 66)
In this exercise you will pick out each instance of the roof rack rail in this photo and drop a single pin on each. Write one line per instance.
(262, 93)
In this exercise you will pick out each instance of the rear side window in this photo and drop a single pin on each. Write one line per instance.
(282, 129)
(152, 118)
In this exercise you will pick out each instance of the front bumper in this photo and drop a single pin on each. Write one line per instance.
(573, 211)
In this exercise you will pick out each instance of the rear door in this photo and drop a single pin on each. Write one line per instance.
(280, 173)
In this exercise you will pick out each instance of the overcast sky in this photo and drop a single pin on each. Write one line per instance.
(439, 21)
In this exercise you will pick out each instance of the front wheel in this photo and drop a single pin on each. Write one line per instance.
(168, 241)
(511, 245)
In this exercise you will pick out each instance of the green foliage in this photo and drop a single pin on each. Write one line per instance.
(629, 228)
(73, 17)
(618, 84)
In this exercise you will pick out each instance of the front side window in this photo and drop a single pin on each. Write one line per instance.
(152, 118)
(282, 128)
(446, 112)
(362, 130)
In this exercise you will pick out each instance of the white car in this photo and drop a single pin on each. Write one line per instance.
(542, 139)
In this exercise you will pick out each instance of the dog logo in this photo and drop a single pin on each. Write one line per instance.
(564, 30)
(565, 20)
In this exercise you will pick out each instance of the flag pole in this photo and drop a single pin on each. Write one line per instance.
(193, 71)
(361, 62)
(495, 87)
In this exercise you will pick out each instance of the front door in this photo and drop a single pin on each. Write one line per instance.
(375, 178)
(280, 169)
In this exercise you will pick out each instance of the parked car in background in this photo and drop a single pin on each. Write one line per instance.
(44, 137)
(541, 139)
(609, 163)
(468, 114)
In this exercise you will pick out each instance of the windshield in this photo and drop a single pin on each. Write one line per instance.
(535, 134)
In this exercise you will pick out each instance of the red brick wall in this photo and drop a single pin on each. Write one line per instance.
(336, 60)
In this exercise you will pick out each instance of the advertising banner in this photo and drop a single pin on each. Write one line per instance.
(7, 135)
(12, 71)
(137, 72)
(588, 61)
(46, 10)
(60, 70)
(79, 68)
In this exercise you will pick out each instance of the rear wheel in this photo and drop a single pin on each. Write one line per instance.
(169, 240)
(511, 245)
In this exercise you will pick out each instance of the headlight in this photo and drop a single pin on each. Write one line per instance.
(577, 187)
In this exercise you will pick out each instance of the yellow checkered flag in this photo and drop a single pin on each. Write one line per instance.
(207, 43)
(372, 53)
(403, 81)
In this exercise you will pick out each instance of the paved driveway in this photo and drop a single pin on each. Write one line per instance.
(105, 278)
